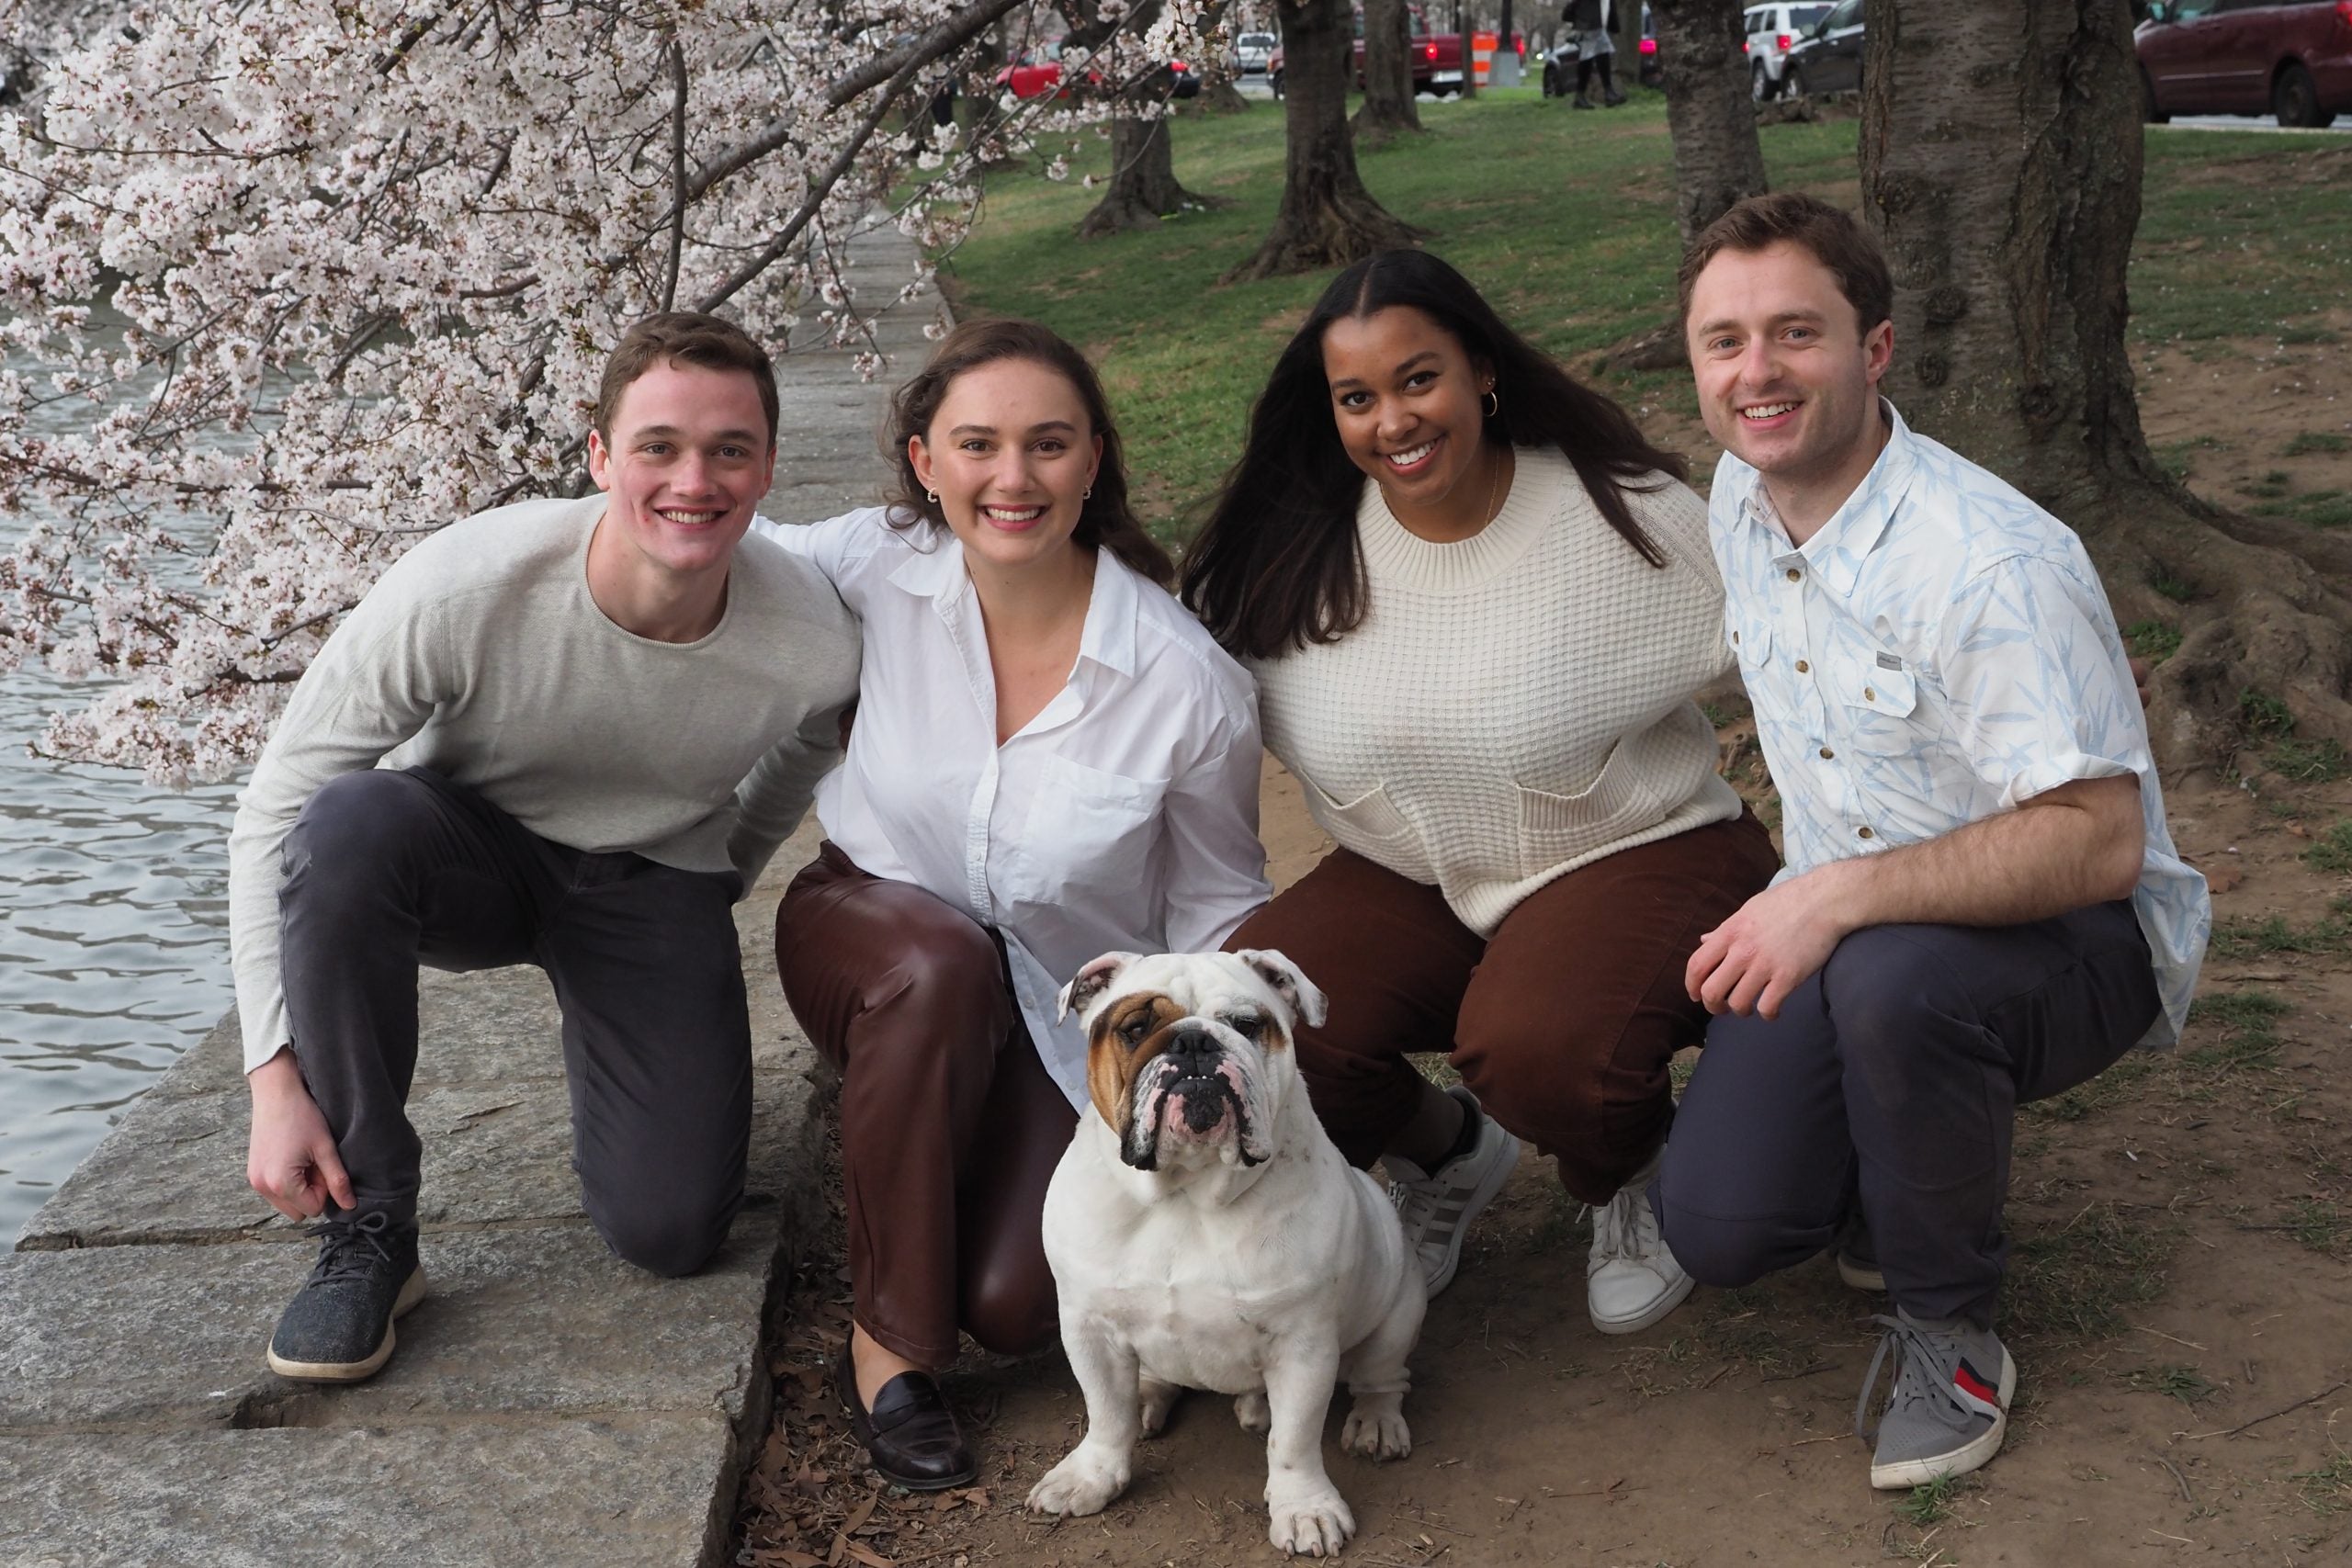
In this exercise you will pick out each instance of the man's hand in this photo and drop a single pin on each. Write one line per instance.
(2141, 669)
(1771, 946)
(291, 1158)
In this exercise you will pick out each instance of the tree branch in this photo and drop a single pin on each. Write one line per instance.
(677, 175)
(820, 187)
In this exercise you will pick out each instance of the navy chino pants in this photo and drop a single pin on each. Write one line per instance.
(1892, 1079)
(387, 870)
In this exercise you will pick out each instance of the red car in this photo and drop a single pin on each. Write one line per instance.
(1039, 74)
(2291, 58)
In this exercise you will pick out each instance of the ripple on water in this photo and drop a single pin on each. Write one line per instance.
(114, 953)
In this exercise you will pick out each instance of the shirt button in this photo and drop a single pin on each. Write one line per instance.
(1802, 667)
(1795, 575)
(1827, 753)
(1734, 637)
(1868, 696)
(1861, 832)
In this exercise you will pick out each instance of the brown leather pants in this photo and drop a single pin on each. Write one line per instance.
(950, 1126)
(1563, 1023)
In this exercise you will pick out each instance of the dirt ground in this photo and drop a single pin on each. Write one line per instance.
(2180, 1300)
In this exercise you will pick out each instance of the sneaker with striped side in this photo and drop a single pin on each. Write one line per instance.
(1436, 1207)
(1950, 1407)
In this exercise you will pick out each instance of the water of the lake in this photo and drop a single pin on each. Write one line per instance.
(114, 949)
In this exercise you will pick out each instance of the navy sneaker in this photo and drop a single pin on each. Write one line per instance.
(338, 1327)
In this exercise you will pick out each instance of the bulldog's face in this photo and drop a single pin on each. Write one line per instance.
(1188, 1053)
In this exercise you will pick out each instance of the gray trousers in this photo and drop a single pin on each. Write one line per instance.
(387, 870)
(1892, 1079)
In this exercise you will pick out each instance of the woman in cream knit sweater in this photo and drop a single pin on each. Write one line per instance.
(1478, 601)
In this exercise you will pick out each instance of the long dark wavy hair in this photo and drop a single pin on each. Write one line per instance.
(1105, 521)
(1276, 565)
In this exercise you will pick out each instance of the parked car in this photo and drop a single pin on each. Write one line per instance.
(2290, 60)
(1560, 65)
(1773, 32)
(1251, 50)
(1830, 58)
(1037, 73)
(1436, 57)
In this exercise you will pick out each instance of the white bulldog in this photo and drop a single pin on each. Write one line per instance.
(1204, 1232)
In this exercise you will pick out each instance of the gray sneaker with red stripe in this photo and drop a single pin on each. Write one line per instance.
(1951, 1403)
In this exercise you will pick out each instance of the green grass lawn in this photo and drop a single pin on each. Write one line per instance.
(1566, 222)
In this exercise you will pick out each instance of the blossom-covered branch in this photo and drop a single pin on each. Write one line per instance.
(286, 283)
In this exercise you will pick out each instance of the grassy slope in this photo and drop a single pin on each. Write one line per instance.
(1566, 221)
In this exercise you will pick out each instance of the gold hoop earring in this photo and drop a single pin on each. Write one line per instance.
(1494, 403)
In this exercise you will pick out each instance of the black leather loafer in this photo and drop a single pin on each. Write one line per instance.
(909, 1435)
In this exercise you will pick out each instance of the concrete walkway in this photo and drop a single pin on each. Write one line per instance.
(549, 1404)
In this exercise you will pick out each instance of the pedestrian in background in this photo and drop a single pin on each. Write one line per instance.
(1594, 21)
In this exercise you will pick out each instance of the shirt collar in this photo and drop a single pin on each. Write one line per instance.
(1837, 551)
(933, 569)
(1109, 636)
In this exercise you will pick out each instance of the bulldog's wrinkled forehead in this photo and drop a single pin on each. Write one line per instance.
(1200, 985)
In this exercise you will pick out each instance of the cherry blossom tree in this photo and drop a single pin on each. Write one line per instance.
(286, 285)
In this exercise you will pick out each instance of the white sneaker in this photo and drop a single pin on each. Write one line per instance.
(1437, 1207)
(1633, 1281)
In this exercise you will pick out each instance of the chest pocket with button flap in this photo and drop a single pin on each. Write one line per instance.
(1876, 689)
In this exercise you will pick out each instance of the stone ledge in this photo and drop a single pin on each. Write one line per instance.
(517, 1321)
(617, 1491)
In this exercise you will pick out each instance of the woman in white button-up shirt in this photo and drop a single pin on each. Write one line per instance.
(1051, 760)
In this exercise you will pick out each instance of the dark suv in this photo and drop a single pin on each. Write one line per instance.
(2292, 58)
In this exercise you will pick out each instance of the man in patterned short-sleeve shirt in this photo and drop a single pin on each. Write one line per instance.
(1982, 904)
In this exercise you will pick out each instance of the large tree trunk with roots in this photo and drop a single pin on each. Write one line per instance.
(1326, 218)
(2000, 162)
(1717, 159)
(1143, 187)
(1387, 105)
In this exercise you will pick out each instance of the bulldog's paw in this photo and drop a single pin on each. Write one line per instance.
(1314, 1524)
(1376, 1428)
(1155, 1400)
(1081, 1484)
(1252, 1411)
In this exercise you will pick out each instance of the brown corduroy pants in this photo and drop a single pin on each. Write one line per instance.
(1563, 1023)
(950, 1126)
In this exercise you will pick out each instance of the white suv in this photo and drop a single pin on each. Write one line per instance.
(1773, 32)
(1251, 50)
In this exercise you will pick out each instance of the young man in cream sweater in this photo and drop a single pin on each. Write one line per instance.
(567, 733)
(1981, 906)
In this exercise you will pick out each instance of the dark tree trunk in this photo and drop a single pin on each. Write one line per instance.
(1387, 75)
(1326, 218)
(1143, 187)
(1717, 160)
(2000, 162)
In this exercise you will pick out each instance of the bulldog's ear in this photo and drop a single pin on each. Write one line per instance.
(1092, 982)
(1289, 984)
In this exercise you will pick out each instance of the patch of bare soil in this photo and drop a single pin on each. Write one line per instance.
(2180, 1298)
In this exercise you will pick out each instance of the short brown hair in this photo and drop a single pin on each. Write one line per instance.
(683, 337)
(1105, 521)
(1839, 242)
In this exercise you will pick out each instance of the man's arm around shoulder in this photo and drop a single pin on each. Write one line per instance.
(2077, 845)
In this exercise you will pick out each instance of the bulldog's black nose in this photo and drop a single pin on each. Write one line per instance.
(1195, 1051)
